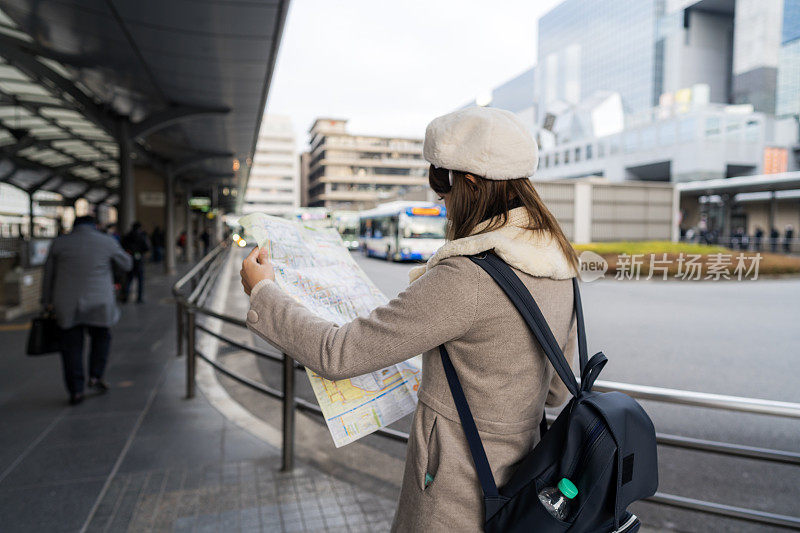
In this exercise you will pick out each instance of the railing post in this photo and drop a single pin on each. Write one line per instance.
(288, 414)
(180, 308)
(191, 354)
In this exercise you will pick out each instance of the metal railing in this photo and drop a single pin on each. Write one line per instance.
(191, 305)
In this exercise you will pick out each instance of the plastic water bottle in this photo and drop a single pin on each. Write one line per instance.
(558, 500)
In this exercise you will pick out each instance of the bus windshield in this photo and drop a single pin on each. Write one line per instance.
(423, 227)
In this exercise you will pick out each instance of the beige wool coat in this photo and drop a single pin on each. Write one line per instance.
(506, 377)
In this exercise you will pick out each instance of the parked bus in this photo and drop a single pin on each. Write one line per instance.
(347, 223)
(399, 231)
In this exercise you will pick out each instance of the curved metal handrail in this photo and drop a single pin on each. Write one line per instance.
(702, 399)
(178, 286)
(640, 392)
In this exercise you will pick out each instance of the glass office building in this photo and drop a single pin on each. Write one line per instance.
(788, 91)
(603, 45)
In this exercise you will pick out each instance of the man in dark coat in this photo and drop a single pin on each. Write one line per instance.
(773, 239)
(136, 243)
(758, 239)
(78, 285)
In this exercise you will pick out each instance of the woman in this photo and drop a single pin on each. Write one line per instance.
(481, 159)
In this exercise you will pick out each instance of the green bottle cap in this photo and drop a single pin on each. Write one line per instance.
(567, 488)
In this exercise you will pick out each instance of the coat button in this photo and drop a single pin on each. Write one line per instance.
(252, 316)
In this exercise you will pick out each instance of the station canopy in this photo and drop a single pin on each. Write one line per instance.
(182, 82)
(785, 181)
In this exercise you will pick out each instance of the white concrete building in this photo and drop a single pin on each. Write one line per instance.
(274, 184)
(352, 171)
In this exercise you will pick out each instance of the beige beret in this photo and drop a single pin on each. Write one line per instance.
(486, 141)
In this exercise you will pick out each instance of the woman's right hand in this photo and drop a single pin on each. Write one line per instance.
(255, 268)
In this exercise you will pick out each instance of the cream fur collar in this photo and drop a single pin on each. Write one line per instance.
(533, 252)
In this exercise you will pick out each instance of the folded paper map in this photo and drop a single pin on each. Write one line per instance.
(316, 269)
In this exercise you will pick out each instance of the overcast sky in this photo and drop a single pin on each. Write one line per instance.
(392, 66)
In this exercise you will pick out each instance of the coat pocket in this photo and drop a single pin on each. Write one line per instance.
(432, 463)
(426, 447)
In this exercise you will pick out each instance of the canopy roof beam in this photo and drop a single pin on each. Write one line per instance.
(182, 166)
(197, 179)
(23, 55)
(171, 115)
(21, 163)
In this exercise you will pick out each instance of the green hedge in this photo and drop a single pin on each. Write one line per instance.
(650, 247)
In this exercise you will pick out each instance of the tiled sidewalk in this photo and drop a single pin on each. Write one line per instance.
(242, 496)
(142, 458)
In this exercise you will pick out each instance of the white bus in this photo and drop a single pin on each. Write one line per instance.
(399, 231)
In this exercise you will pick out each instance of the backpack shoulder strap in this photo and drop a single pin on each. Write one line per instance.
(482, 467)
(583, 352)
(526, 305)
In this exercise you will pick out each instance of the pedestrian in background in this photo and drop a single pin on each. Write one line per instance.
(205, 238)
(181, 243)
(773, 239)
(112, 230)
(136, 243)
(78, 285)
(758, 239)
(787, 238)
(157, 240)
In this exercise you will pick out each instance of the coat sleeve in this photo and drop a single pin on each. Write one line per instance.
(120, 257)
(48, 277)
(438, 307)
(558, 392)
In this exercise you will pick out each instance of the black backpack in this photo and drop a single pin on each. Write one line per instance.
(603, 442)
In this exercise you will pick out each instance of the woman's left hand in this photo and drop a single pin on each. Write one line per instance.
(256, 267)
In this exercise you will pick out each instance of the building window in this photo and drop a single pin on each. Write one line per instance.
(712, 126)
(686, 129)
(588, 152)
(546, 160)
(555, 159)
(566, 157)
(666, 133)
(614, 148)
(631, 141)
(577, 154)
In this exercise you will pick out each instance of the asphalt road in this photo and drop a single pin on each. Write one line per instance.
(738, 338)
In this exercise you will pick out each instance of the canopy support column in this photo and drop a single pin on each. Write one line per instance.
(216, 234)
(727, 210)
(169, 222)
(126, 207)
(30, 216)
(772, 209)
(190, 237)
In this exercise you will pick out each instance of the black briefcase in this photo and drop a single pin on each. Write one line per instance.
(44, 336)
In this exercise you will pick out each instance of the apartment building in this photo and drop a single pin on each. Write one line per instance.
(351, 171)
(274, 184)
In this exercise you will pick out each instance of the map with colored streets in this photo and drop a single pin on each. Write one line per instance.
(316, 269)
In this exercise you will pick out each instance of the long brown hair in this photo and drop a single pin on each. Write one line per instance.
(472, 203)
